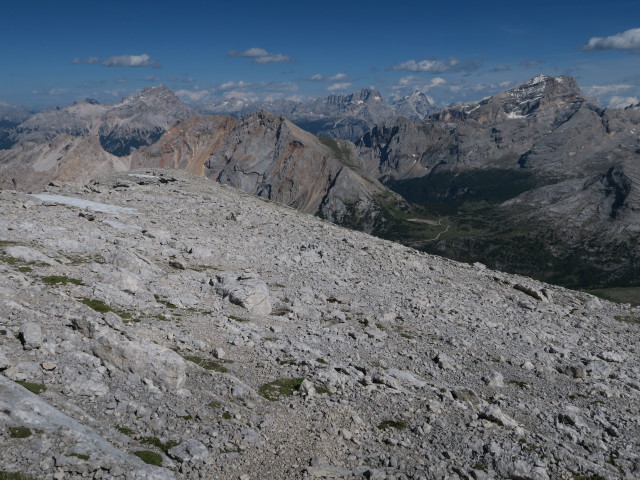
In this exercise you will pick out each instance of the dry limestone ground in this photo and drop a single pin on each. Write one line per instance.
(155, 325)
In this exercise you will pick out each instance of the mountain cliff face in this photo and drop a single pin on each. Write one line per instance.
(507, 130)
(141, 119)
(133, 122)
(566, 170)
(31, 166)
(187, 145)
(269, 156)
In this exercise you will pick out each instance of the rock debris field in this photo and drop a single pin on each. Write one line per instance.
(160, 326)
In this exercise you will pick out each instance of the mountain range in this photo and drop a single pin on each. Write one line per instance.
(537, 179)
(337, 116)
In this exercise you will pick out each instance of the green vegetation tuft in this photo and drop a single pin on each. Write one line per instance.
(14, 476)
(215, 404)
(19, 432)
(164, 447)
(81, 456)
(147, 456)
(60, 280)
(227, 416)
(280, 388)
(32, 387)
(126, 431)
(397, 424)
(101, 307)
(165, 302)
(208, 364)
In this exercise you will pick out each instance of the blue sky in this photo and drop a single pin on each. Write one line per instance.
(56, 52)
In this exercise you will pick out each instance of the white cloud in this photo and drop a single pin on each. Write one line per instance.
(194, 96)
(501, 68)
(143, 60)
(407, 81)
(333, 78)
(232, 84)
(275, 58)
(151, 78)
(451, 65)
(415, 83)
(628, 40)
(255, 52)
(338, 86)
(606, 89)
(621, 102)
(261, 56)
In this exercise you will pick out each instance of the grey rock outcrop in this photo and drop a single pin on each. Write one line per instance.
(245, 290)
(159, 364)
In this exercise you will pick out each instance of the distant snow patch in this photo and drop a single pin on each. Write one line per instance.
(80, 203)
(515, 115)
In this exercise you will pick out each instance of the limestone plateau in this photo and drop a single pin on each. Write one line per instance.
(157, 325)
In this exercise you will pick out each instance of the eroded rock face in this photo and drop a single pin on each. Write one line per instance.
(373, 360)
(161, 365)
(246, 290)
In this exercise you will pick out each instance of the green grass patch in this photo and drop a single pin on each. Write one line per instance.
(126, 431)
(14, 476)
(322, 361)
(164, 447)
(285, 387)
(19, 432)
(147, 456)
(215, 365)
(9, 260)
(289, 361)
(164, 302)
(215, 404)
(25, 269)
(227, 416)
(396, 424)
(81, 456)
(101, 307)
(32, 387)
(60, 280)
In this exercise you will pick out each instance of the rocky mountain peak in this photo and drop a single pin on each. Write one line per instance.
(365, 95)
(550, 89)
